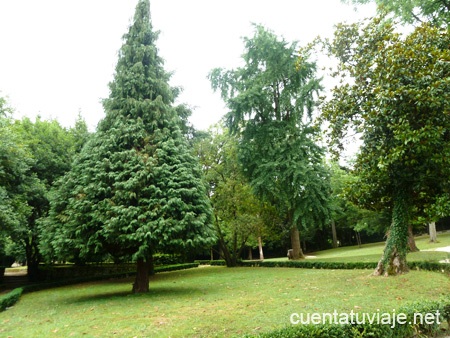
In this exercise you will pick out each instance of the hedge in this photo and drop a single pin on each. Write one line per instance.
(410, 329)
(10, 299)
(310, 264)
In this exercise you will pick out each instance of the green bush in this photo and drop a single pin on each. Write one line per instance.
(410, 329)
(429, 266)
(10, 299)
(176, 267)
(167, 259)
(203, 261)
(310, 264)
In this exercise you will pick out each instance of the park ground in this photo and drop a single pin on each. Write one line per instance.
(223, 302)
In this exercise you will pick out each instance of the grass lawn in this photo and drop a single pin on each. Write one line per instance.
(211, 301)
(372, 252)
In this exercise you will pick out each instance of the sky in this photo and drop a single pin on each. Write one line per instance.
(58, 56)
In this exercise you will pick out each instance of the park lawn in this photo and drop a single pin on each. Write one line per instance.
(211, 301)
(372, 252)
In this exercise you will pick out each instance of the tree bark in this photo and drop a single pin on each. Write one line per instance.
(261, 252)
(295, 243)
(32, 256)
(411, 241)
(334, 234)
(433, 234)
(393, 260)
(250, 253)
(142, 276)
(358, 238)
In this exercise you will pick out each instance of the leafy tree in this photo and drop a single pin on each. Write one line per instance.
(414, 11)
(348, 216)
(238, 213)
(271, 101)
(51, 148)
(135, 189)
(397, 98)
(15, 162)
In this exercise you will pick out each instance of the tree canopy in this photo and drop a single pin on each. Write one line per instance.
(271, 101)
(436, 12)
(136, 189)
(396, 96)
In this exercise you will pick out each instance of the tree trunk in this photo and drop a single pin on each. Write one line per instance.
(334, 234)
(411, 241)
(433, 235)
(142, 276)
(32, 256)
(250, 254)
(297, 252)
(393, 260)
(261, 253)
(358, 239)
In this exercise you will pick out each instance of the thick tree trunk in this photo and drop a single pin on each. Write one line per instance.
(142, 276)
(261, 253)
(393, 261)
(297, 252)
(334, 234)
(433, 234)
(411, 241)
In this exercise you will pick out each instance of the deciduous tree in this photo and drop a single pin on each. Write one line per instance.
(271, 100)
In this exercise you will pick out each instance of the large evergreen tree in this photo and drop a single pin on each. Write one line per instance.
(136, 189)
(271, 101)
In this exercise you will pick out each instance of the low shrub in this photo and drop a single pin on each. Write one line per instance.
(413, 324)
(167, 259)
(203, 261)
(176, 267)
(309, 264)
(10, 298)
(313, 264)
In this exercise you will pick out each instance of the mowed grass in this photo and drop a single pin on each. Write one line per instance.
(372, 252)
(211, 302)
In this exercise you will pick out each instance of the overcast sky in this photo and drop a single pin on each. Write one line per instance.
(58, 56)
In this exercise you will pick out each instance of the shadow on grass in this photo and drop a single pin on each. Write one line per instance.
(155, 291)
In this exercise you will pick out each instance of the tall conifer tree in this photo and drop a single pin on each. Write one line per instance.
(136, 189)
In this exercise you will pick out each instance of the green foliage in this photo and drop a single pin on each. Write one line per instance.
(271, 100)
(396, 99)
(346, 214)
(413, 11)
(313, 264)
(33, 156)
(135, 189)
(239, 215)
(9, 299)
